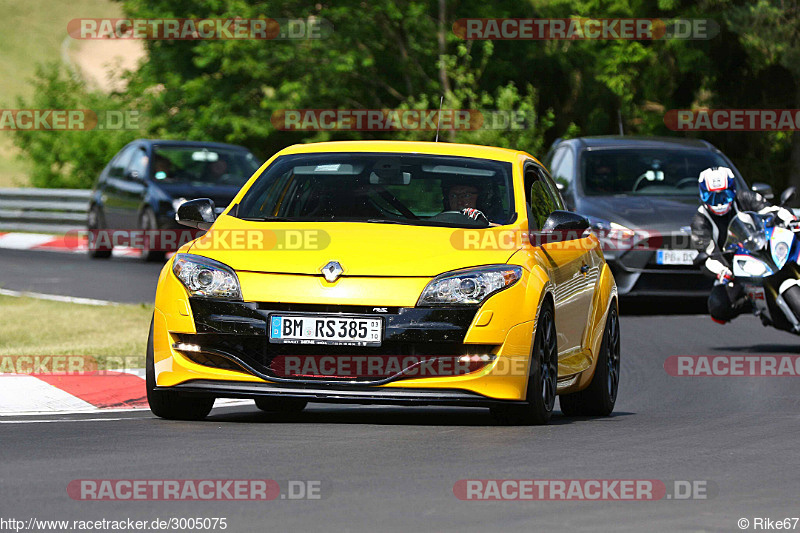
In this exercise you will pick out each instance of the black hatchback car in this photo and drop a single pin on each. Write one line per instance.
(143, 185)
(641, 193)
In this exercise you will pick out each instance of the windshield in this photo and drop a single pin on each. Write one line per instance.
(645, 171)
(202, 166)
(377, 187)
(747, 230)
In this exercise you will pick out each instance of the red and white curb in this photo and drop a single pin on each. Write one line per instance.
(54, 243)
(72, 393)
(88, 392)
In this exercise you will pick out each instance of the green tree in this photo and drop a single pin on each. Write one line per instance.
(64, 158)
(769, 31)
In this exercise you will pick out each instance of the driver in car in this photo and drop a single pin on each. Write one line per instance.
(216, 170)
(463, 197)
(720, 203)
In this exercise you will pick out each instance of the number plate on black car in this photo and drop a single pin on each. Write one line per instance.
(326, 329)
(675, 257)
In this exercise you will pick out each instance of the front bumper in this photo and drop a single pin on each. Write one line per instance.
(235, 357)
(638, 273)
(235, 336)
(338, 394)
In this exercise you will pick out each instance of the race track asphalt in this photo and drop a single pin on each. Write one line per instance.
(393, 469)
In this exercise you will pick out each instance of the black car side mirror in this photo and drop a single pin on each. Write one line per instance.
(565, 226)
(764, 190)
(134, 176)
(198, 213)
(787, 196)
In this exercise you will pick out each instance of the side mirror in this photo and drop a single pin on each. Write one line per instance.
(565, 226)
(197, 213)
(134, 176)
(787, 196)
(764, 190)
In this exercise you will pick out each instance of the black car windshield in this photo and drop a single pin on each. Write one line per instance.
(198, 165)
(645, 171)
(381, 188)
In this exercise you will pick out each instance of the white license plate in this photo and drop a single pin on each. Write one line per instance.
(326, 329)
(676, 257)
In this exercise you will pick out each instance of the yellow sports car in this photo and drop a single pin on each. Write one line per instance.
(384, 272)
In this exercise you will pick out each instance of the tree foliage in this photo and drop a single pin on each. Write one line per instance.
(403, 54)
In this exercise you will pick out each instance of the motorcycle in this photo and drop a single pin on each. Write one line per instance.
(765, 264)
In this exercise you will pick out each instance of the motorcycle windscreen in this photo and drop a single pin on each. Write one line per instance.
(746, 230)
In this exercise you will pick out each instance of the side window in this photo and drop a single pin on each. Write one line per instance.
(563, 168)
(537, 197)
(558, 157)
(120, 163)
(138, 164)
(555, 194)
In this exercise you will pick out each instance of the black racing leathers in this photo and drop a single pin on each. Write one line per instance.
(709, 232)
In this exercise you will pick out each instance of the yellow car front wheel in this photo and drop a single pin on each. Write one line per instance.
(168, 404)
(540, 396)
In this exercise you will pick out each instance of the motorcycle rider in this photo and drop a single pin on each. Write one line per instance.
(720, 203)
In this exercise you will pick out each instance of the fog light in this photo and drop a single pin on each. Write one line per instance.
(185, 347)
(475, 358)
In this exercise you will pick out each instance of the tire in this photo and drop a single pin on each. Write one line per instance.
(792, 298)
(168, 404)
(97, 221)
(281, 405)
(599, 397)
(540, 396)
(147, 222)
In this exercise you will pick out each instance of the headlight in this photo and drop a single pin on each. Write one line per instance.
(754, 268)
(611, 230)
(205, 277)
(613, 236)
(469, 287)
(177, 202)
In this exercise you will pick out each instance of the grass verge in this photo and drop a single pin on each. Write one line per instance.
(40, 327)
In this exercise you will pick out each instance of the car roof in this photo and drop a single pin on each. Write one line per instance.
(206, 144)
(633, 141)
(433, 148)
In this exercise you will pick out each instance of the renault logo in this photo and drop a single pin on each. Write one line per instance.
(332, 271)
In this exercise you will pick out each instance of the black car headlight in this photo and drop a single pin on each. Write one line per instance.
(469, 286)
(205, 277)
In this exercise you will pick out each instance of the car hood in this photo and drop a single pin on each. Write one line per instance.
(646, 212)
(362, 249)
(221, 194)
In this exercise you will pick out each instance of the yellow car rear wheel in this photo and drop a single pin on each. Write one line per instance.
(599, 397)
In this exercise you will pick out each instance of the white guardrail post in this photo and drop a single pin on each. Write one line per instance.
(43, 210)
